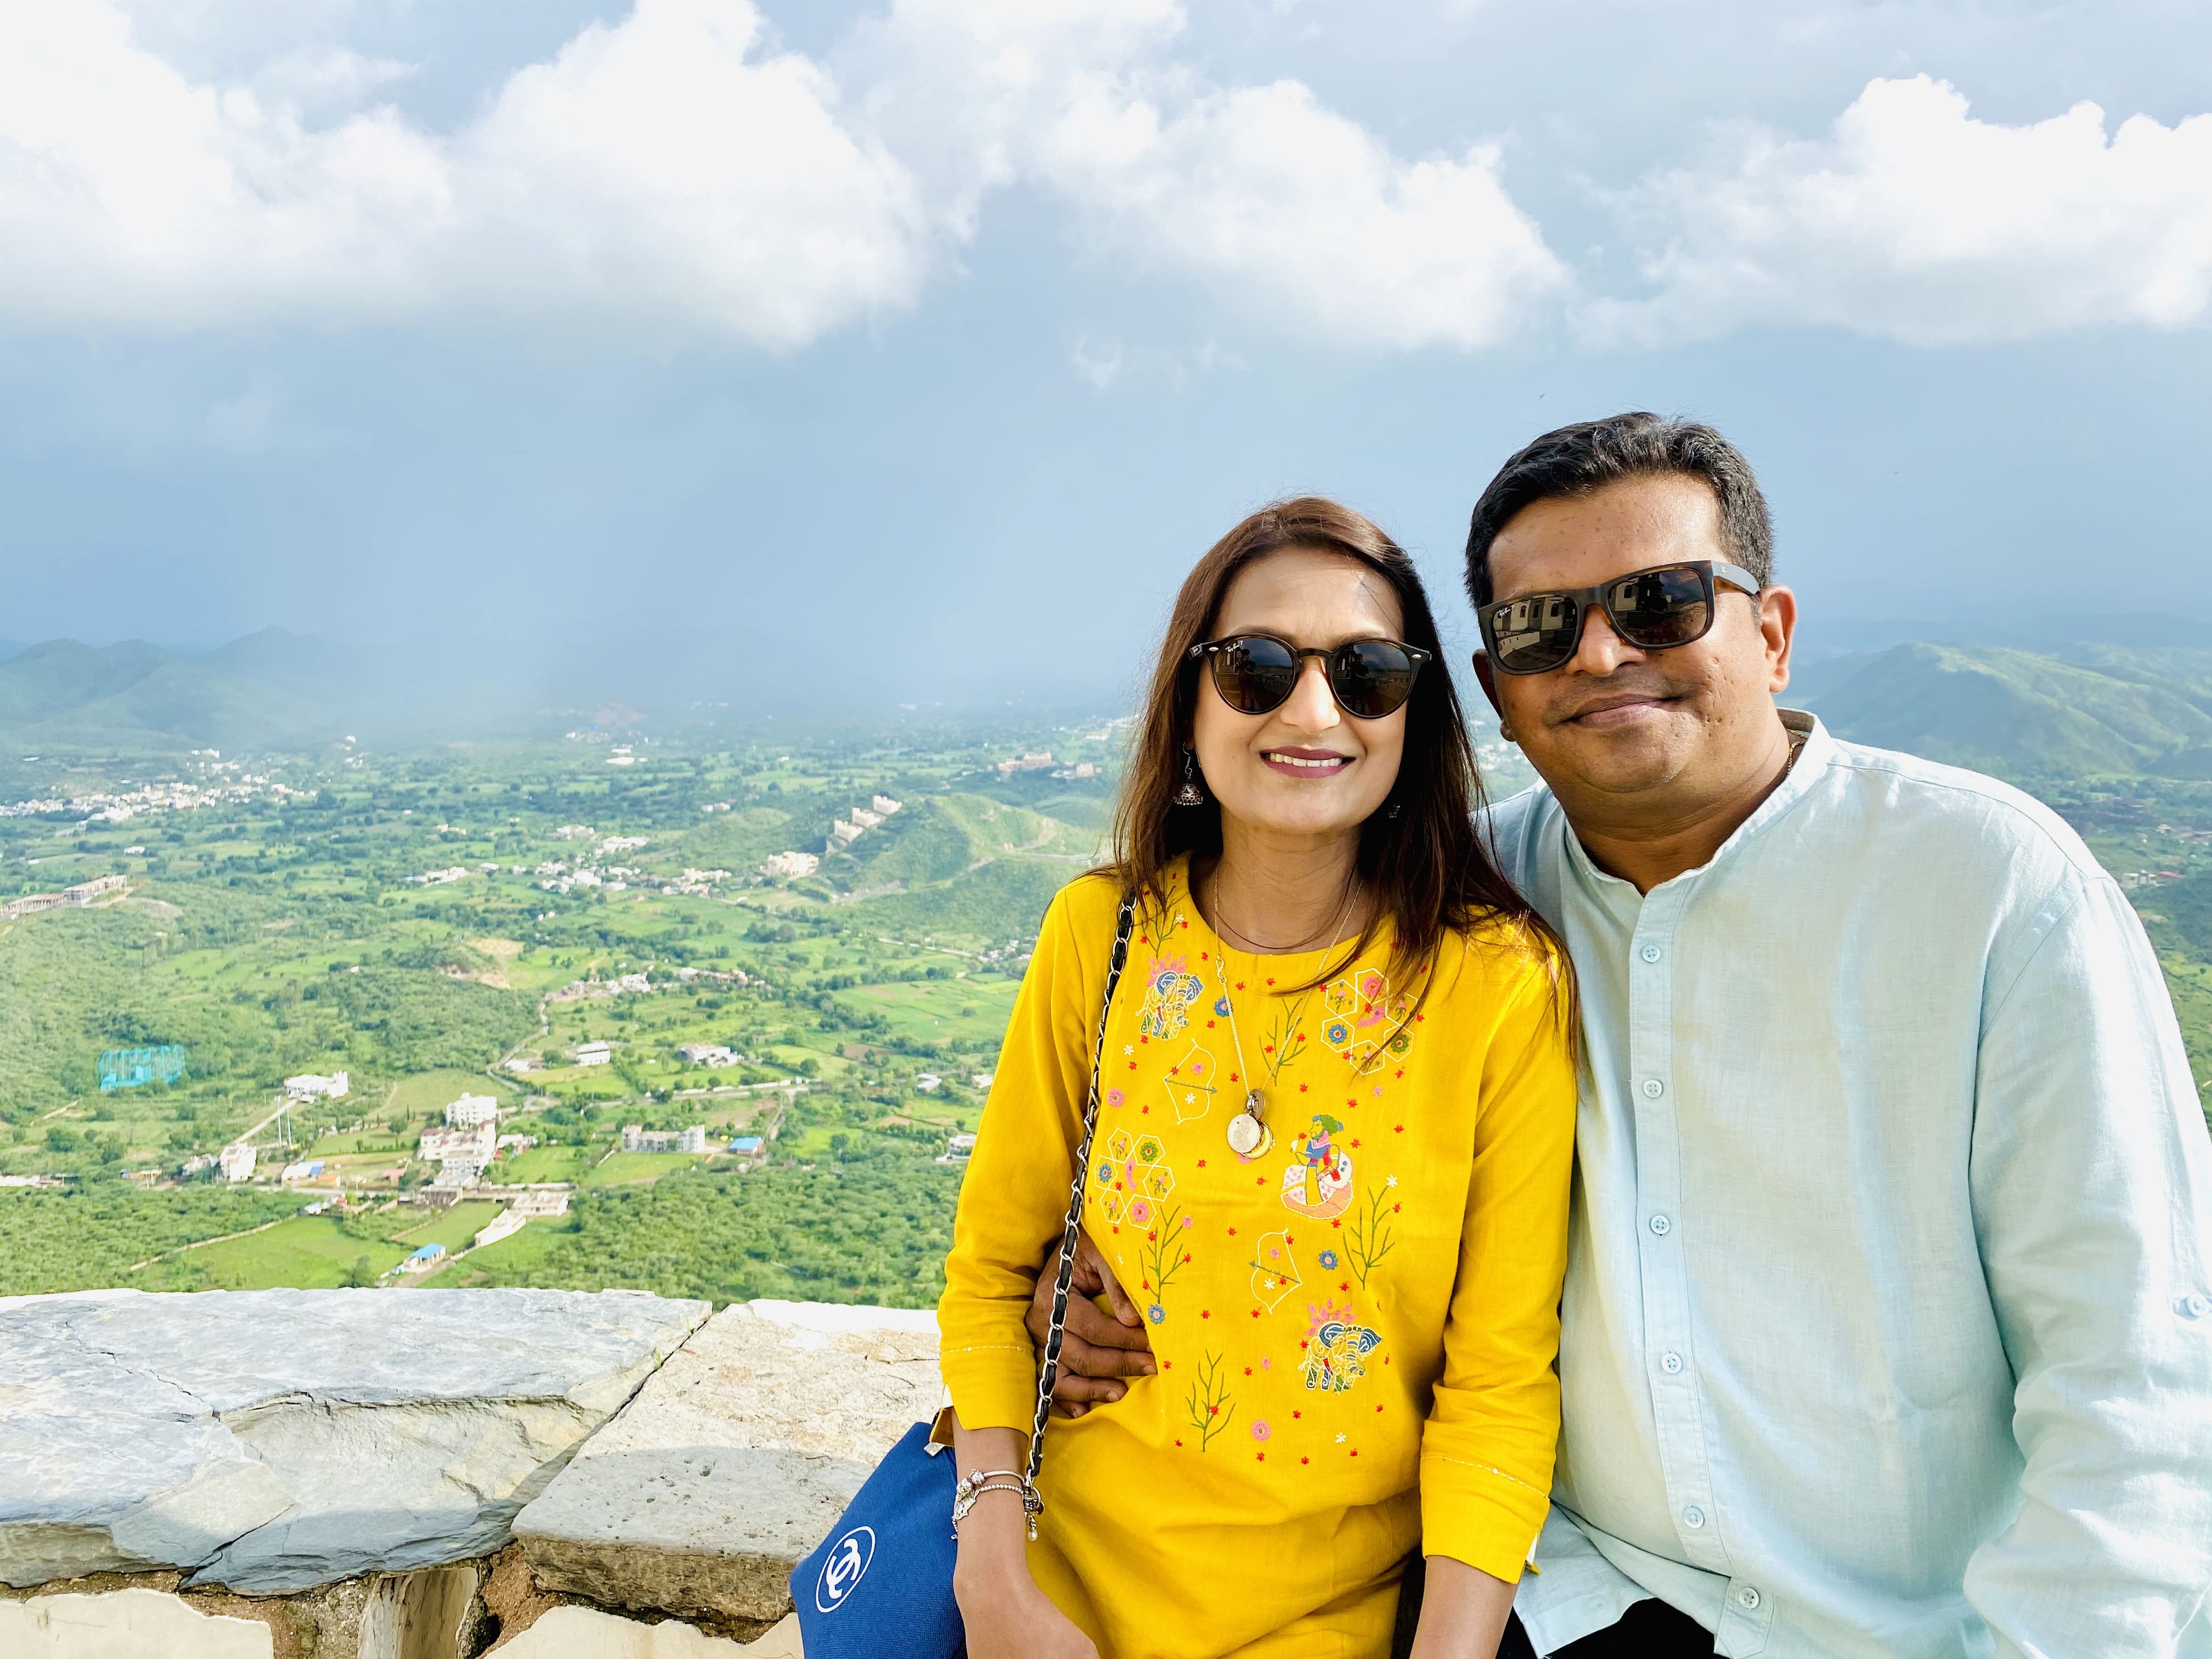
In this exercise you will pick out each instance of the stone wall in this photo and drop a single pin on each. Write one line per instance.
(431, 1475)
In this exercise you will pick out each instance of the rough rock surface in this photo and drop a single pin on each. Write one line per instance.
(735, 1460)
(275, 1440)
(126, 1621)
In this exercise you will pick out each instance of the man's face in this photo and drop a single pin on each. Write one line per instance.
(1615, 719)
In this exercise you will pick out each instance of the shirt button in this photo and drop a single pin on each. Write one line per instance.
(1651, 953)
(1653, 1088)
(2195, 1307)
(1671, 1363)
(1694, 1517)
(1662, 1226)
(1746, 1598)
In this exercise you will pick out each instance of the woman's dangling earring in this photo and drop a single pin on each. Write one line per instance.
(1396, 807)
(1190, 794)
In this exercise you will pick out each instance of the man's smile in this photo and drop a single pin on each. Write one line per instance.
(1616, 709)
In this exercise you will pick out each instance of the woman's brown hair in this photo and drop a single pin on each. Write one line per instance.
(1426, 864)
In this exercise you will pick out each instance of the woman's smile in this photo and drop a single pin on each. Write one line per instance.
(1306, 763)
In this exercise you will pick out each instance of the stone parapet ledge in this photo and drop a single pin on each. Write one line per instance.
(340, 1474)
(735, 1460)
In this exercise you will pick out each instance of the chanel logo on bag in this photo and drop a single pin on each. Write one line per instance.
(848, 1558)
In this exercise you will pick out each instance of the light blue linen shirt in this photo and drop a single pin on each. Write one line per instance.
(1887, 1327)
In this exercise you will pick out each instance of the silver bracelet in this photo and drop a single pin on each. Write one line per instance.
(979, 1481)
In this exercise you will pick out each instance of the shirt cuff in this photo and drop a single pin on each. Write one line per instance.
(992, 1388)
(1478, 1515)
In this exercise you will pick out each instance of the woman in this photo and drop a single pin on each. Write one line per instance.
(1335, 1125)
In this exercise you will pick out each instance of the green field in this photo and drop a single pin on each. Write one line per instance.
(621, 1168)
(543, 1163)
(969, 1011)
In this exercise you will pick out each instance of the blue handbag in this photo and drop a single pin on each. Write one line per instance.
(881, 1584)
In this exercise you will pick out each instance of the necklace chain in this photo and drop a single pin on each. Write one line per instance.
(1336, 923)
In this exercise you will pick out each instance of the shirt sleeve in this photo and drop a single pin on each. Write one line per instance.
(2092, 1187)
(1013, 1199)
(1486, 1451)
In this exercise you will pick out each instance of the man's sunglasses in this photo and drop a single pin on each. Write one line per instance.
(1256, 673)
(1668, 604)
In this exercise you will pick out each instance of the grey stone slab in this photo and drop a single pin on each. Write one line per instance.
(734, 1460)
(275, 1440)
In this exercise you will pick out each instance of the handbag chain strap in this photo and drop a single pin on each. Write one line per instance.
(1048, 1374)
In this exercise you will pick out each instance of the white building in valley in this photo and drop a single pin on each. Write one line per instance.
(472, 1112)
(236, 1161)
(309, 1086)
(462, 1155)
(789, 867)
(693, 1140)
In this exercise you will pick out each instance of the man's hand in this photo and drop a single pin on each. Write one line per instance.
(1096, 1352)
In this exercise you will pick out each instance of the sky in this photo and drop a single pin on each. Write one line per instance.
(785, 352)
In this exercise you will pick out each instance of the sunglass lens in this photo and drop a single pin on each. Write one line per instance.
(1254, 675)
(1372, 677)
(1533, 635)
(1655, 609)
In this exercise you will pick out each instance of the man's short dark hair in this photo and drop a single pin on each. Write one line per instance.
(1590, 455)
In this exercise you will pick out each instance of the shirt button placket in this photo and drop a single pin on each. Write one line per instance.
(1651, 1066)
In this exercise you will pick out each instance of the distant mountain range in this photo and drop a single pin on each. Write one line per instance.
(2089, 707)
(270, 689)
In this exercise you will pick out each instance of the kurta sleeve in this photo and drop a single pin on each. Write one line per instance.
(1486, 1450)
(1014, 1198)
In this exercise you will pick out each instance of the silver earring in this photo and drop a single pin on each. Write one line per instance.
(1190, 794)
(1396, 807)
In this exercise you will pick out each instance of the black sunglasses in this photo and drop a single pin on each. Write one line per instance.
(1668, 604)
(1256, 673)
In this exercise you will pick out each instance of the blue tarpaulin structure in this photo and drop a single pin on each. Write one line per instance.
(132, 1068)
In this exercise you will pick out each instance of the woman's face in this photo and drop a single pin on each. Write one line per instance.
(1307, 768)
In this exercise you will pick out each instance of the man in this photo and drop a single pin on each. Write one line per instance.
(1887, 1328)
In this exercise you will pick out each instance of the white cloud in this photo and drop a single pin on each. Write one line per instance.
(667, 169)
(1913, 221)
(1288, 209)
(673, 172)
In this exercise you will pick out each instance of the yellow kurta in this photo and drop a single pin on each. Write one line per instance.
(1355, 1329)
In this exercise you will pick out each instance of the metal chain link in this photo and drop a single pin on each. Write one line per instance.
(1048, 1374)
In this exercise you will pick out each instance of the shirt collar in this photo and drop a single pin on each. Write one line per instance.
(1814, 755)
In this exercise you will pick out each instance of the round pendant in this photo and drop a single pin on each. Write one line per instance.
(1248, 1138)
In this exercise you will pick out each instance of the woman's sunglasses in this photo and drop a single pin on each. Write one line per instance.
(1668, 604)
(1256, 673)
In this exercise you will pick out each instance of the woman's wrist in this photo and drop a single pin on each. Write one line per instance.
(994, 1543)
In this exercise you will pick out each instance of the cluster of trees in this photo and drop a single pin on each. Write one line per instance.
(89, 1234)
(876, 1230)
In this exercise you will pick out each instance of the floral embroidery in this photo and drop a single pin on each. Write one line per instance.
(1274, 1270)
(1367, 1025)
(1209, 1404)
(1318, 1182)
(1190, 1085)
(1132, 1172)
(1170, 989)
(1370, 1237)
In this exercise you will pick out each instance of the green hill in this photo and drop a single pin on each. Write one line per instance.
(2096, 709)
(942, 836)
(134, 695)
